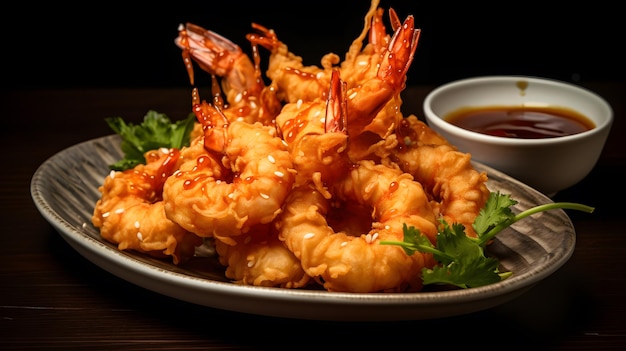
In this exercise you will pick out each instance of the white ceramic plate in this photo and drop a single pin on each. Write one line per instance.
(65, 190)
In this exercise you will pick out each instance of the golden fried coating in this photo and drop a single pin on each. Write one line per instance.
(259, 258)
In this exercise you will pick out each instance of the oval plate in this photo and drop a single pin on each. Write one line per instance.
(65, 189)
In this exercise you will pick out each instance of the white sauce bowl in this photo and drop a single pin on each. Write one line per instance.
(549, 164)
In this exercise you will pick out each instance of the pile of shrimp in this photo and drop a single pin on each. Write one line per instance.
(296, 182)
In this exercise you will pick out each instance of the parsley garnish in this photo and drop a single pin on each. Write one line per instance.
(156, 131)
(461, 259)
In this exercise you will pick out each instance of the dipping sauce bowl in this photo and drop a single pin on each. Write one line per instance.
(548, 134)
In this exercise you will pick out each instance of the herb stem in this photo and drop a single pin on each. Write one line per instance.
(531, 211)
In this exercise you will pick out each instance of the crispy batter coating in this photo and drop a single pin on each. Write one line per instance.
(261, 259)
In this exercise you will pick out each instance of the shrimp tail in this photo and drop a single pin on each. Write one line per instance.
(336, 105)
(396, 62)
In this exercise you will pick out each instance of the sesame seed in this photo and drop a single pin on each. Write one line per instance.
(137, 224)
(250, 264)
(271, 158)
(299, 103)
(407, 141)
(119, 211)
(353, 95)
(279, 174)
(344, 243)
(265, 196)
(238, 97)
(139, 236)
(106, 214)
(368, 238)
(112, 174)
(375, 236)
(309, 235)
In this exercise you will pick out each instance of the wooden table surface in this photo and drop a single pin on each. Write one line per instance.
(53, 298)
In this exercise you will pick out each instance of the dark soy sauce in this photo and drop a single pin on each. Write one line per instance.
(522, 122)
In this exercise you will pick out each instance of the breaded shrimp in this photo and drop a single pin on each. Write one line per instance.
(241, 182)
(131, 213)
(457, 188)
(342, 260)
(316, 137)
(261, 259)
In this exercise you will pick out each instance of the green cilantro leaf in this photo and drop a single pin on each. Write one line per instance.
(496, 210)
(156, 131)
(462, 261)
(465, 264)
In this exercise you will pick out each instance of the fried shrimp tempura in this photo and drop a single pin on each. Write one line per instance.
(356, 262)
(131, 213)
(456, 187)
(242, 182)
(261, 260)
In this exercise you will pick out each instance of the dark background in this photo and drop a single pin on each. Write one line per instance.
(130, 44)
